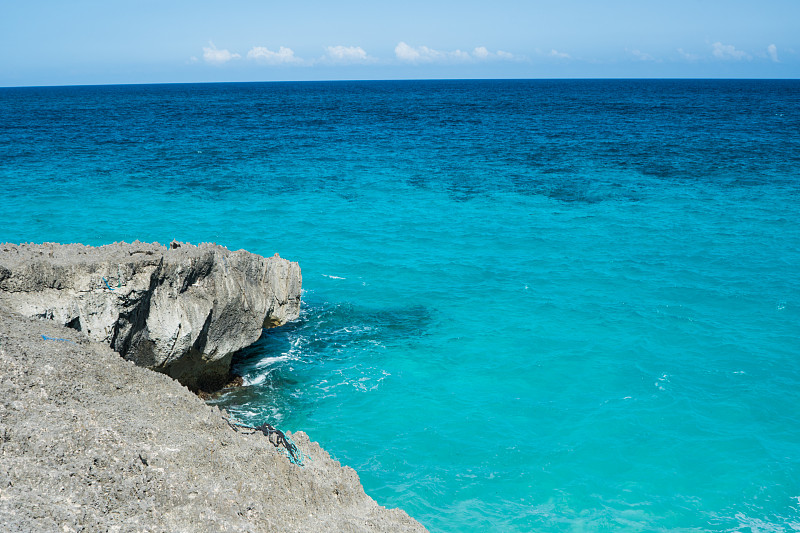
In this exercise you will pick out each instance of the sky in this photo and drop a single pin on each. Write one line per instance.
(47, 42)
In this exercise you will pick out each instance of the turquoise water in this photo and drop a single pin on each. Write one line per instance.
(528, 306)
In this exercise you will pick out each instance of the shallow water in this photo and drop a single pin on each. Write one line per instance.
(528, 305)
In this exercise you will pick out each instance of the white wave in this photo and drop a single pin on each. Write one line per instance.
(332, 277)
(259, 414)
(256, 380)
(267, 361)
(353, 329)
(364, 383)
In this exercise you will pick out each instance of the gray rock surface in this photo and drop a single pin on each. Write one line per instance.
(182, 310)
(91, 442)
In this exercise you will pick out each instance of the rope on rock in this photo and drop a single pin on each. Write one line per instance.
(276, 437)
(45, 337)
(119, 280)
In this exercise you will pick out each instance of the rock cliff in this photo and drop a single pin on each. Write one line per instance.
(182, 310)
(91, 442)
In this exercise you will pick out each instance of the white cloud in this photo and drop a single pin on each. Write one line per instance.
(642, 56)
(283, 56)
(728, 51)
(481, 52)
(559, 55)
(346, 55)
(403, 52)
(217, 57)
(552, 54)
(423, 54)
(772, 50)
(688, 56)
(458, 55)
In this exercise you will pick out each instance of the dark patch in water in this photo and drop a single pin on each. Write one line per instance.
(323, 330)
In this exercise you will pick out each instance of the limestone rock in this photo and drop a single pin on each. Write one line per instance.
(182, 310)
(90, 442)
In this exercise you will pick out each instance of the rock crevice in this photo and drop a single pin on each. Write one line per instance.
(182, 310)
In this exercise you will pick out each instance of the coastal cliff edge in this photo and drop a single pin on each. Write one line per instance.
(91, 442)
(182, 310)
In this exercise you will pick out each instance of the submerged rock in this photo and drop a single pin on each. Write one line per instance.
(182, 310)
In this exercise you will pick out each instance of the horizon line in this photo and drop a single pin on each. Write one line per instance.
(358, 80)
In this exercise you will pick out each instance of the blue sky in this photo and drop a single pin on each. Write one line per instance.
(96, 42)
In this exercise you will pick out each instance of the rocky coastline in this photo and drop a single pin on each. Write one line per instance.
(183, 310)
(91, 441)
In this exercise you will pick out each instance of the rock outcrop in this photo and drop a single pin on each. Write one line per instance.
(182, 310)
(91, 442)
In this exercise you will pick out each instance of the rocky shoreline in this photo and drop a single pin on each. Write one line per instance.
(183, 310)
(89, 441)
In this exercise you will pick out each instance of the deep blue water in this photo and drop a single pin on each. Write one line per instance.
(528, 305)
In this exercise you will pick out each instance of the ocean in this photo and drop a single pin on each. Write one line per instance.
(528, 305)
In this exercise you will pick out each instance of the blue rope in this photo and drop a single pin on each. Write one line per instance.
(293, 453)
(45, 337)
(282, 441)
(107, 285)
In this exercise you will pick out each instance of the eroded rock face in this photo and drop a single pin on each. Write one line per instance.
(182, 310)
